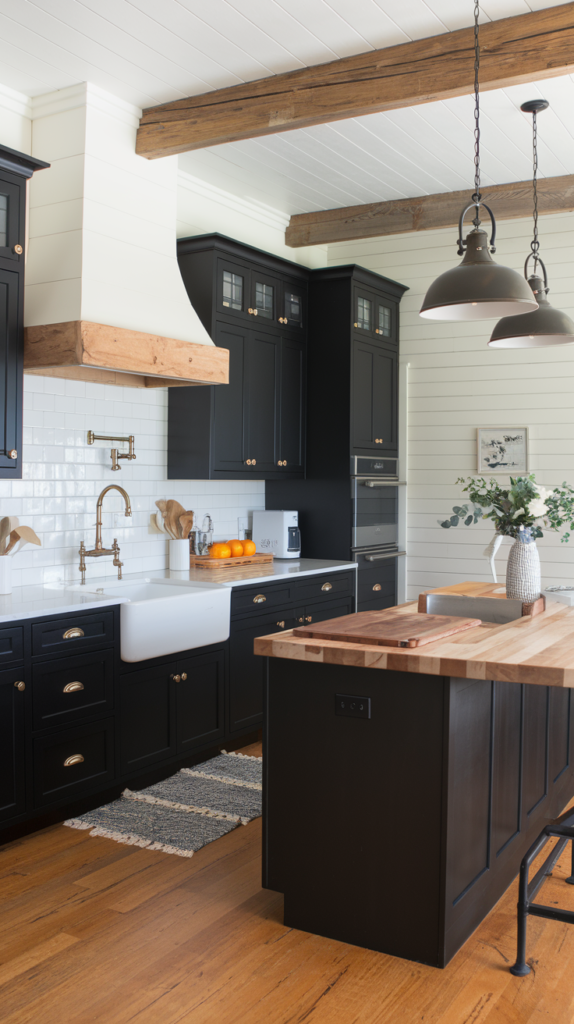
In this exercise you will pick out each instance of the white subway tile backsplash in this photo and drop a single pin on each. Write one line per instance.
(63, 476)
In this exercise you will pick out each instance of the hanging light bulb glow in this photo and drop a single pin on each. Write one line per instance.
(545, 326)
(479, 288)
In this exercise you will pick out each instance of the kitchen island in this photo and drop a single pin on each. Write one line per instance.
(400, 831)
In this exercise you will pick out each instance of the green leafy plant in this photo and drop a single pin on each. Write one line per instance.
(521, 506)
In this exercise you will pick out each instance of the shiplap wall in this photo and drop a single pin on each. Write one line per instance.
(456, 383)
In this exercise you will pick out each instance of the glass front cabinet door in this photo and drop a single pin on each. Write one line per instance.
(292, 307)
(373, 316)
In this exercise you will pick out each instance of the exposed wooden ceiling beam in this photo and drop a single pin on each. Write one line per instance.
(513, 50)
(555, 195)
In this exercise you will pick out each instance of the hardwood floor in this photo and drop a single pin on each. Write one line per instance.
(94, 931)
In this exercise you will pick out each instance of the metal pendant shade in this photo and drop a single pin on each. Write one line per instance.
(546, 326)
(479, 288)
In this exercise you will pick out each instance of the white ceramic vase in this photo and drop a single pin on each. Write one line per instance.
(179, 551)
(5, 574)
(523, 569)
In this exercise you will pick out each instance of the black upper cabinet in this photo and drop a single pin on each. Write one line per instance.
(352, 368)
(253, 304)
(15, 168)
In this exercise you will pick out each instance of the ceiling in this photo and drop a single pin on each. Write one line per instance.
(148, 52)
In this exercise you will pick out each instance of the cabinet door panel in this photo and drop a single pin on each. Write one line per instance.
(229, 441)
(291, 444)
(12, 215)
(374, 402)
(262, 392)
(321, 612)
(10, 373)
(247, 670)
(233, 288)
(12, 756)
(199, 700)
(147, 717)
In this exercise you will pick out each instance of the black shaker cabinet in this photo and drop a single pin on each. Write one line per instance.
(255, 305)
(15, 168)
(12, 751)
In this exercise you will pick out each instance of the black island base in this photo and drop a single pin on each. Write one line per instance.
(398, 806)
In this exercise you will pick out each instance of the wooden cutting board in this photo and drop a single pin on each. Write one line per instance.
(390, 628)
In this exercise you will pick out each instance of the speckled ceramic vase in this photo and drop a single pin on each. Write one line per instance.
(523, 569)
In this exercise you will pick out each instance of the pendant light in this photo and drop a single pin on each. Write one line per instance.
(545, 326)
(478, 289)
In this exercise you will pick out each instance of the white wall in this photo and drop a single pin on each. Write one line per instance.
(456, 384)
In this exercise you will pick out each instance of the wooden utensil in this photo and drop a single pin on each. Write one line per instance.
(4, 532)
(186, 524)
(173, 511)
(25, 534)
(388, 628)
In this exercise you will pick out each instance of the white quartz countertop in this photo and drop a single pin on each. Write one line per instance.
(60, 599)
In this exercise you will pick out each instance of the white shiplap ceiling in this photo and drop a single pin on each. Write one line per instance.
(152, 51)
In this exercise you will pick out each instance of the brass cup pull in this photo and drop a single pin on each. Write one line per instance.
(176, 678)
(259, 599)
(74, 759)
(327, 586)
(308, 618)
(20, 685)
(281, 624)
(377, 586)
(73, 687)
(73, 633)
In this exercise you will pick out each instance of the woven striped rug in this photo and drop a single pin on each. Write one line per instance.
(184, 812)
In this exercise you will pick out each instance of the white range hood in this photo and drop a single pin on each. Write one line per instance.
(104, 297)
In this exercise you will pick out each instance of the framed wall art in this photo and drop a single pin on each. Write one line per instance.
(502, 450)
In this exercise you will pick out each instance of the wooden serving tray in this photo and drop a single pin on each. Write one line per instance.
(389, 628)
(205, 562)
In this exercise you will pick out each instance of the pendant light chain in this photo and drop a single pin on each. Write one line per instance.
(535, 244)
(476, 198)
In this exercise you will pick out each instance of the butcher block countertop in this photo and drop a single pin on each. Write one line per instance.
(537, 650)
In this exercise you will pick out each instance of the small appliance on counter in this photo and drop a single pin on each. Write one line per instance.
(277, 532)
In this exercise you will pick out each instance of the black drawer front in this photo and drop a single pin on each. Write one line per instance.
(259, 599)
(377, 586)
(72, 688)
(55, 780)
(11, 645)
(73, 632)
(317, 588)
(377, 603)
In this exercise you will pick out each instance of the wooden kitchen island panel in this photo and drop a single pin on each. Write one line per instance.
(400, 831)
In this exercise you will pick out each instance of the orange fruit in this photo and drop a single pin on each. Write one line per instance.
(249, 547)
(220, 550)
(236, 548)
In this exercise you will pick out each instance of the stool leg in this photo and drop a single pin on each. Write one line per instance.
(521, 968)
(571, 879)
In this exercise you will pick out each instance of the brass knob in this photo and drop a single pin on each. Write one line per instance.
(18, 250)
(355, 325)
(253, 462)
(176, 679)
(183, 676)
(259, 599)
(282, 624)
(73, 633)
(327, 586)
(74, 759)
(377, 586)
(73, 687)
(13, 454)
(254, 312)
(300, 619)
(279, 463)
(308, 618)
(248, 462)
(250, 311)
(284, 462)
(20, 685)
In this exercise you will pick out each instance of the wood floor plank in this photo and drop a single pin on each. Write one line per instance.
(36, 955)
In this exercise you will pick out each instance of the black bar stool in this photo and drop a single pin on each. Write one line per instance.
(563, 829)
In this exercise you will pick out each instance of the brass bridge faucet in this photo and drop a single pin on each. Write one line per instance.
(99, 549)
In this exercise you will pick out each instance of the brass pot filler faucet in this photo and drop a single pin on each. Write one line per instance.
(99, 549)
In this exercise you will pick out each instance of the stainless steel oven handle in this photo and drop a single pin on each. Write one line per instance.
(377, 558)
(383, 483)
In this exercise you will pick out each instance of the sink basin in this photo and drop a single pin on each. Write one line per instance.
(160, 617)
(496, 610)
